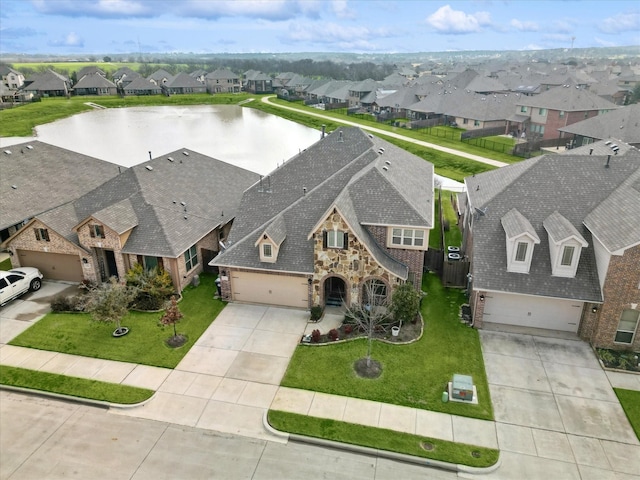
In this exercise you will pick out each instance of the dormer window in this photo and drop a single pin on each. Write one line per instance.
(565, 245)
(521, 252)
(267, 250)
(521, 238)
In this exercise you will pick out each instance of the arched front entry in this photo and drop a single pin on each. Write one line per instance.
(334, 291)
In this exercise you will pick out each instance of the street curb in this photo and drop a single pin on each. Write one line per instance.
(69, 398)
(399, 457)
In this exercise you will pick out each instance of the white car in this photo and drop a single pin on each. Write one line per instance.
(17, 281)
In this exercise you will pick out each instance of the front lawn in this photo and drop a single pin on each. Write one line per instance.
(383, 439)
(5, 264)
(414, 375)
(77, 334)
(630, 401)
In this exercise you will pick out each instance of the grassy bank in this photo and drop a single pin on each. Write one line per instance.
(630, 401)
(73, 386)
(383, 439)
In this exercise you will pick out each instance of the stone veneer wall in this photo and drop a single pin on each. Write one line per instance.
(353, 264)
(111, 241)
(621, 291)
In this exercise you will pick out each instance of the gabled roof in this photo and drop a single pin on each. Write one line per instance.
(579, 186)
(560, 229)
(622, 123)
(277, 230)
(516, 225)
(159, 75)
(45, 177)
(47, 81)
(172, 204)
(141, 83)
(347, 170)
(568, 98)
(184, 80)
(94, 80)
(222, 73)
(89, 70)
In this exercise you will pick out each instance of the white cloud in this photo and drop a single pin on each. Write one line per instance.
(447, 20)
(623, 22)
(70, 40)
(345, 37)
(342, 10)
(524, 26)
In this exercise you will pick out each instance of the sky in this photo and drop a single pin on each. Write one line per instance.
(96, 27)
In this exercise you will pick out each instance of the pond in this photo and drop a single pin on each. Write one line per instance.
(241, 136)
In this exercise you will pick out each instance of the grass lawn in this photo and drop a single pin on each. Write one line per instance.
(452, 236)
(414, 375)
(379, 438)
(77, 334)
(5, 264)
(630, 401)
(73, 386)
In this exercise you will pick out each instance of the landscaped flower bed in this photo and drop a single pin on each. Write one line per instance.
(619, 359)
(409, 332)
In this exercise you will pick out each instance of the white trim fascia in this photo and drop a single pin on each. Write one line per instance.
(484, 290)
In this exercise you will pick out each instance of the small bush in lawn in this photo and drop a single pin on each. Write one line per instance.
(316, 313)
(315, 336)
(71, 303)
(333, 334)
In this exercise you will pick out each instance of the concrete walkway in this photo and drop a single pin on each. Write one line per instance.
(404, 138)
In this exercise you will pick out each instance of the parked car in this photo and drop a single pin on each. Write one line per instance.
(17, 281)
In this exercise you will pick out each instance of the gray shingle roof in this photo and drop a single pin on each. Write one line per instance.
(46, 177)
(622, 123)
(210, 190)
(516, 224)
(345, 170)
(94, 80)
(581, 190)
(559, 228)
(568, 99)
(277, 230)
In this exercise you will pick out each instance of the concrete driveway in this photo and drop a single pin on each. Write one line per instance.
(552, 400)
(231, 375)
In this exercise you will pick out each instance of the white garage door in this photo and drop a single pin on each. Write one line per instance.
(526, 311)
(270, 289)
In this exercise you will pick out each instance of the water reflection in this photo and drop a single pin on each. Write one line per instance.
(241, 136)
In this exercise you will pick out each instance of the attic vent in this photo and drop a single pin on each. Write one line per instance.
(380, 151)
(15, 187)
(387, 162)
(186, 154)
(149, 167)
(8, 152)
(370, 136)
(608, 142)
(385, 168)
(170, 159)
(30, 147)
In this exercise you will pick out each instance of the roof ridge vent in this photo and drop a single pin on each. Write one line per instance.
(30, 147)
(8, 152)
(149, 167)
(185, 153)
(170, 159)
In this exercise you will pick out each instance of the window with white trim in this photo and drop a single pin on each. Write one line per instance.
(407, 237)
(42, 234)
(521, 252)
(567, 255)
(266, 250)
(627, 326)
(191, 258)
(335, 239)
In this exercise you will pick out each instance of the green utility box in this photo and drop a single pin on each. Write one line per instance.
(462, 387)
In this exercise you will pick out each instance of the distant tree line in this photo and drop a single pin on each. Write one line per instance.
(354, 71)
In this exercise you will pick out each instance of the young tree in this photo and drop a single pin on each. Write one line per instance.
(172, 315)
(109, 302)
(405, 303)
(372, 313)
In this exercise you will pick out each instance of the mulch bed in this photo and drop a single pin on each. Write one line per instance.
(409, 332)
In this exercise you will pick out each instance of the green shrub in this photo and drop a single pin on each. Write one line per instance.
(316, 313)
(154, 286)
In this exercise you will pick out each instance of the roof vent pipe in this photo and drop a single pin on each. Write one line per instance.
(608, 160)
(150, 155)
(590, 151)
(340, 137)
(323, 130)
(304, 190)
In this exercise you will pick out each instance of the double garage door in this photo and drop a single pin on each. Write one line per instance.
(270, 289)
(54, 266)
(536, 312)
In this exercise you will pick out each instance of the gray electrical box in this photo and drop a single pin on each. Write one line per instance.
(462, 387)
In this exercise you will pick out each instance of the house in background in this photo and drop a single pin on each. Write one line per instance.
(12, 79)
(170, 212)
(48, 84)
(257, 82)
(95, 84)
(622, 125)
(540, 116)
(348, 211)
(554, 243)
(222, 80)
(37, 177)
